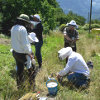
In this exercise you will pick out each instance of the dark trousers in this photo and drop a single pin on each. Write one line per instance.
(38, 46)
(78, 79)
(20, 62)
(68, 45)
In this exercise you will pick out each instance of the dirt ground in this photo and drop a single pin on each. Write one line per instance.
(5, 41)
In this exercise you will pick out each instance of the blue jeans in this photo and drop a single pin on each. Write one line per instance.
(78, 79)
(38, 46)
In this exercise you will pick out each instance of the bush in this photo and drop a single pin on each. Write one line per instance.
(80, 27)
(45, 28)
(86, 26)
(95, 25)
(62, 26)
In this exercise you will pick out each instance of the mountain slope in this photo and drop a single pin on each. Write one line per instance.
(80, 7)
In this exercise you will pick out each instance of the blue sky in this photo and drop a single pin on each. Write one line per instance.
(96, 3)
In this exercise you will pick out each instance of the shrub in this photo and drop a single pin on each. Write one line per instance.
(86, 26)
(45, 28)
(80, 27)
(95, 25)
(62, 26)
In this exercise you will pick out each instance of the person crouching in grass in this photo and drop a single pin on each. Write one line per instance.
(76, 68)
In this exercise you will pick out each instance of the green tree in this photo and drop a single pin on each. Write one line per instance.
(11, 9)
(49, 10)
(79, 19)
(95, 21)
(61, 17)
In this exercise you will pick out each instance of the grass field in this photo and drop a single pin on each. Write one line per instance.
(88, 46)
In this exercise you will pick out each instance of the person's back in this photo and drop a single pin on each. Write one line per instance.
(15, 36)
(19, 39)
(78, 64)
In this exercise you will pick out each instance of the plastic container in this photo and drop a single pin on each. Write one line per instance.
(52, 86)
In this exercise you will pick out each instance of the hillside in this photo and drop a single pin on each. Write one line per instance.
(80, 7)
(52, 43)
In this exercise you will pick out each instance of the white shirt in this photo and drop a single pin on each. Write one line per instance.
(76, 64)
(19, 39)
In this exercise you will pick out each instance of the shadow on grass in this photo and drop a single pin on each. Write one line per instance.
(28, 81)
(70, 86)
(13, 73)
(67, 85)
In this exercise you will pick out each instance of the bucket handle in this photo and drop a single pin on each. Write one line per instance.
(51, 80)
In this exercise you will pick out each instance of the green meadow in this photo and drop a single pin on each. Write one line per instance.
(88, 46)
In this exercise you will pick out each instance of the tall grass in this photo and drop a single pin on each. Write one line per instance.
(88, 46)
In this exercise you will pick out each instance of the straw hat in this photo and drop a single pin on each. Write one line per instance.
(24, 17)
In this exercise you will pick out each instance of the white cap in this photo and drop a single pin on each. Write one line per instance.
(32, 37)
(37, 16)
(64, 53)
(61, 50)
(73, 23)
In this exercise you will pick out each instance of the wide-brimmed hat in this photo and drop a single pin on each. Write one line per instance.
(64, 53)
(32, 37)
(72, 23)
(24, 17)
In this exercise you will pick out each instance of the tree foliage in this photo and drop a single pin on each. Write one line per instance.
(11, 9)
(95, 21)
(79, 19)
(49, 10)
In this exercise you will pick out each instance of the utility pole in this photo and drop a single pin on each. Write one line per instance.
(90, 16)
